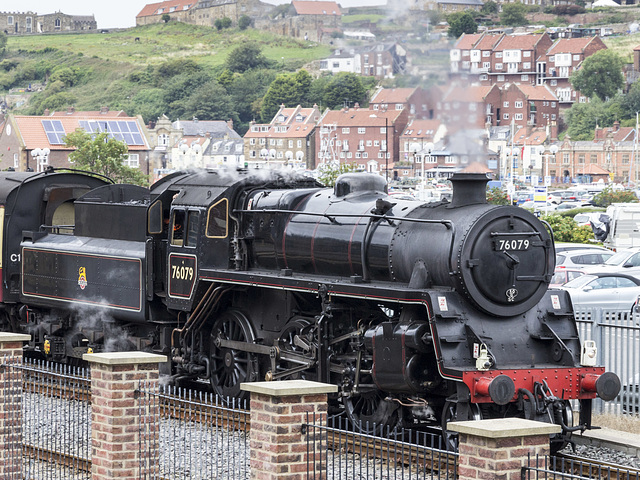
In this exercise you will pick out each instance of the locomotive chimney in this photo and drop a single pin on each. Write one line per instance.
(468, 189)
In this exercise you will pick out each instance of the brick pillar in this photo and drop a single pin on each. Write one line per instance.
(498, 449)
(117, 417)
(278, 410)
(11, 406)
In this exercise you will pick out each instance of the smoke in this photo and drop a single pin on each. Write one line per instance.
(399, 8)
(98, 325)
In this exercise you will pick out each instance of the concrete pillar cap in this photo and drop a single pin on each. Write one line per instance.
(14, 337)
(288, 387)
(124, 358)
(504, 428)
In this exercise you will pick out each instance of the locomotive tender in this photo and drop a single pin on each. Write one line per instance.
(420, 313)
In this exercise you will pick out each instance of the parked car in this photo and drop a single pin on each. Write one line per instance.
(570, 206)
(613, 291)
(621, 259)
(583, 257)
(530, 204)
(630, 395)
(563, 275)
(568, 246)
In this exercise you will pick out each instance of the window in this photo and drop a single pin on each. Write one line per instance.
(383, 130)
(217, 219)
(498, 66)
(9, 20)
(518, 116)
(565, 159)
(362, 130)
(177, 228)
(486, 53)
(484, 76)
(357, 154)
(553, 83)
(517, 104)
(290, 143)
(280, 142)
(625, 159)
(505, 116)
(132, 160)
(553, 104)
(345, 130)
(299, 144)
(526, 66)
(252, 141)
(500, 78)
(505, 104)
(581, 158)
(524, 78)
(526, 53)
(498, 54)
(365, 155)
(486, 65)
(16, 161)
(576, 58)
(593, 158)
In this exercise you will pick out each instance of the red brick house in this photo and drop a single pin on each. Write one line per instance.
(563, 58)
(527, 105)
(462, 107)
(25, 135)
(361, 136)
(415, 100)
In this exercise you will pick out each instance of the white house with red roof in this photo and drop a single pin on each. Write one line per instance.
(177, 10)
(288, 140)
(32, 143)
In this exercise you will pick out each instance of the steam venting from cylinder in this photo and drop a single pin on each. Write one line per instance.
(468, 189)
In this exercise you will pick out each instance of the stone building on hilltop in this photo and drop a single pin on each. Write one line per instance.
(24, 23)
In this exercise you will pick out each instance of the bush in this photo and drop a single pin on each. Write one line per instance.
(565, 229)
(497, 196)
(609, 196)
(244, 22)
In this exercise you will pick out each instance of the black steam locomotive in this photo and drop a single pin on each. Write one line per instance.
(419, 313)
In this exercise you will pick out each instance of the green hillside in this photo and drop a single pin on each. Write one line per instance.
(134, 69)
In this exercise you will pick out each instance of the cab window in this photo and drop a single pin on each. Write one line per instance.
(154, 220)
(217, 219)
(193, 223)
(177, 228)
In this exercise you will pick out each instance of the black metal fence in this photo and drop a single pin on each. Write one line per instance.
(55, 420)
(569, 468)
(338, 450)
(200, 435)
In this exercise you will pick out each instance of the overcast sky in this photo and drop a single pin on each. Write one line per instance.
(118, 13)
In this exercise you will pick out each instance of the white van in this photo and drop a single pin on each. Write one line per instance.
(624, 225)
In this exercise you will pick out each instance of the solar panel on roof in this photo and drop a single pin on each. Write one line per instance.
(122, 130)
(54, 131)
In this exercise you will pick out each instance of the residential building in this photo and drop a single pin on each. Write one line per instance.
(414, 100)
(451, 6)
(21, 23)
(368, 139)
(178, 10)
(33, 143)
(379, 60)
(534, 59)
(563, 58)
(614, 150)
(464, 107)
(417, 141)
(525, 104)
(288, 140)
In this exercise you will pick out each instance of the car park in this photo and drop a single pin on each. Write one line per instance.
(563, 275)
(564, 206)
(582, 258)
(609, 290)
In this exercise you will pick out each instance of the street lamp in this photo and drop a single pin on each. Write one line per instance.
(41, 156)
(553, 149)
(429, 148)
(272, 156)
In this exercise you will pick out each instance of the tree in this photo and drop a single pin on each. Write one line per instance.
(210, 102)
(246, 91)
(290, 89)
(599, 75)
(179, 88)
(104, 155)
(582, 118)
(344, 87)
(328, 173)
(244, 22)
(513, 14)
(3, 42)
(461, 22)
(246, 57)
(490, 7)
(497, 196)
(166, 18)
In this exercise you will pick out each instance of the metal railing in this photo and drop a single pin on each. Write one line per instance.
(337, 450)
(617, 337)
(200, 435)
(559, 468)
(54, 428)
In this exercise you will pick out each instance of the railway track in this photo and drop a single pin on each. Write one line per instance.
(394, 449)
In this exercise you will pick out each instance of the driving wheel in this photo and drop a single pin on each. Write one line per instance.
(229, 366)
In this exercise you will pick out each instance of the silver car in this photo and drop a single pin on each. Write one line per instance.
(612, 291)
(582, 258)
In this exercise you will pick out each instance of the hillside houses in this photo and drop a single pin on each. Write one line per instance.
(376, 60)
(534, 59)
(25, 23)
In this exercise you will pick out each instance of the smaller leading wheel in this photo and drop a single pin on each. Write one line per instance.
(371, 413)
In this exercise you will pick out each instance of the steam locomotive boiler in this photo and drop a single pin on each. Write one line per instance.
(419, 313)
